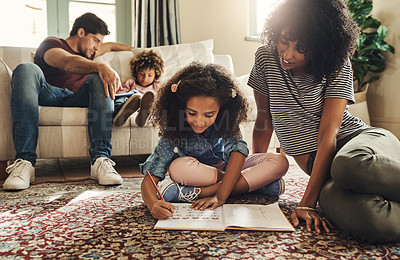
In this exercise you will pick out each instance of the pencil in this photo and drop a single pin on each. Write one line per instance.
(155, 185)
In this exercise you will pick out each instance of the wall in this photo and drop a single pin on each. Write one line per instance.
(383, 95)
(225, 21)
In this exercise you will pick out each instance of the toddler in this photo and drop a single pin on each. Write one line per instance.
(138, 92)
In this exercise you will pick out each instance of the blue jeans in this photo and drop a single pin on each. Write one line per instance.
(30, 89)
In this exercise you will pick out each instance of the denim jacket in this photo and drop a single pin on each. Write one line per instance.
(205, 147)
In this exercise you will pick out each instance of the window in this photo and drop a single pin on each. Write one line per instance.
(105, 11)
(258, 11)
(23, 23)
(26, 23)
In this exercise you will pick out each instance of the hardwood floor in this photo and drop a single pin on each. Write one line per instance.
(77, 169)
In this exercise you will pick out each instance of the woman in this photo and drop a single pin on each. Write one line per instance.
(302, 81)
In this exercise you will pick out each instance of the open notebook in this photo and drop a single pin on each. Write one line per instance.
(229, 216)
(127, 94)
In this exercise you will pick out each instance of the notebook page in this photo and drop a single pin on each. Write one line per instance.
(189, 219)
(251, 216)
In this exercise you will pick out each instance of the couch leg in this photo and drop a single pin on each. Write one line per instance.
(3, 166)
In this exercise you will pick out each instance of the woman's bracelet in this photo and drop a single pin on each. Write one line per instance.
(306, 208)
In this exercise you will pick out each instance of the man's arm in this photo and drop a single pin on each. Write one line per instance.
(61, 59)
(113, 46)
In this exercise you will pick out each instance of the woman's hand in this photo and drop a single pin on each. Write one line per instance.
(311, 217)
(162, 210)
(209, 202)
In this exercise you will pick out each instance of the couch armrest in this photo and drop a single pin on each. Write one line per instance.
(225, 60)
(6, 144)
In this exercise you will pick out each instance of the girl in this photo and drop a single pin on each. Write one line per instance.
(198, 112)
(146, 68)
(302, 81)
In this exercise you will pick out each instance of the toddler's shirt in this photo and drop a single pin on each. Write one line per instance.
(131, 84)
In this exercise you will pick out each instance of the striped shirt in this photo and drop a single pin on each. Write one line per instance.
(296, 102)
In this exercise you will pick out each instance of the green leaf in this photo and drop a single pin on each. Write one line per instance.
(371, 46)
(374, 68)
(388, 48)
(369, 22)
(361, 59)
(385, 47)
(382, 32)
(361, 40)
(377, 66)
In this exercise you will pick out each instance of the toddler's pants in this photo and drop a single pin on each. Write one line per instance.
(363, 195)
(258, 170)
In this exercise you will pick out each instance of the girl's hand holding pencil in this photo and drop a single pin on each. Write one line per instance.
(160, 209)
(155, 185)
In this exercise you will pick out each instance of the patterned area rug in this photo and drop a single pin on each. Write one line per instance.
(87, 221)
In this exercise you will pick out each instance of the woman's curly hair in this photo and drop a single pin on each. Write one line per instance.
(198, 79)
(147, 59)
(323, 28)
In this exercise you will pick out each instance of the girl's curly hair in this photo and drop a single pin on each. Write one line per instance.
(322, 28)
(198, 79)
(147, 59)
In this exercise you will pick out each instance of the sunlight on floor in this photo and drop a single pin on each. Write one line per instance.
(86, 195)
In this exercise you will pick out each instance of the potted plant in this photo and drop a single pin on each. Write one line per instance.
(368, 60)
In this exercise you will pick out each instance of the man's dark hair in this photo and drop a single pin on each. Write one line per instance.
(91, 24)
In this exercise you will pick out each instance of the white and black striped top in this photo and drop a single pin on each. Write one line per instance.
(296, 102)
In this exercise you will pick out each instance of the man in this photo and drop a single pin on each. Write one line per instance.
(64, 74)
